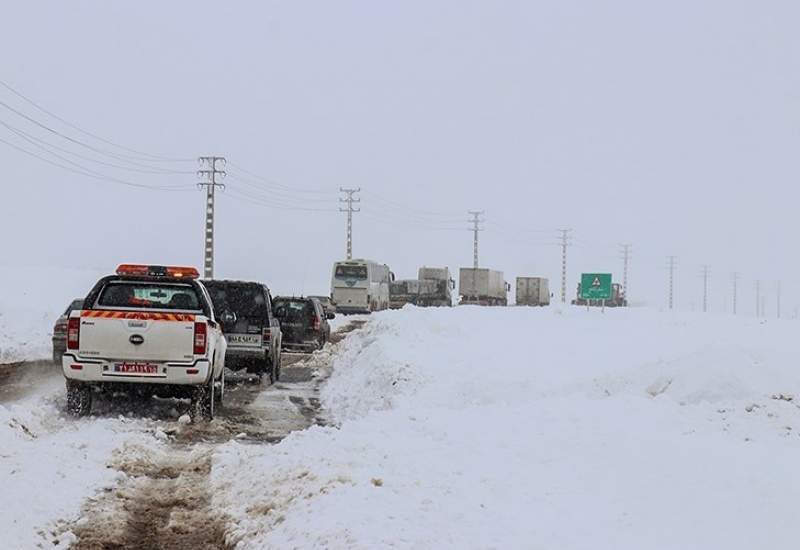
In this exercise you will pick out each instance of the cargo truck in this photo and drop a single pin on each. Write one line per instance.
(533, 291)
(402, 292)
(482, 286)
(617, 299)
(435, 287)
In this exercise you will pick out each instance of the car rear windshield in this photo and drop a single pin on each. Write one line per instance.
(149, 295)
(243, 299)
(351, 271)
(292, 309)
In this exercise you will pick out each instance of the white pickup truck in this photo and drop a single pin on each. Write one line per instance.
(151, 328)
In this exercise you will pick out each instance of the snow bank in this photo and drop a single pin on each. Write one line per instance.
(50, 464)
(536, 428)
(32, 300)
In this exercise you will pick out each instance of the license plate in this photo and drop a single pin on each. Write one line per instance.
(135, 368)
(252, 340)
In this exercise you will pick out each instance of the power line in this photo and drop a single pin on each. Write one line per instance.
(151, 157)
(48, 147)
(275, 185)
(349, 200)
(209, 176)
(93, 174)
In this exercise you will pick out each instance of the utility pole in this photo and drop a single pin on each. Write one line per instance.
(706, 269)
(779, 300)
(758, 298)
(735, 289)
(349, 199)
(565, 235)
(626, 254)
(475, 221)
(209, 173)
(671, 260)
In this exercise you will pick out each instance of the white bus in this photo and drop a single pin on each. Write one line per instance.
(360, 286)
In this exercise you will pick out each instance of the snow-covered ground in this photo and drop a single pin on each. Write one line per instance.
(32, 300)
(536, 428)
(50, 464)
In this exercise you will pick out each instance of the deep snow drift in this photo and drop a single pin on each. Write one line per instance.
(537, 428)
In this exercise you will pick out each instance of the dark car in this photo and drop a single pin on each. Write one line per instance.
(303, 322)
(60, 330)
(244, 309)
(327, 305)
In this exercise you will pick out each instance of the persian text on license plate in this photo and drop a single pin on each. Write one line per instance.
(135, 368)
(244, 339)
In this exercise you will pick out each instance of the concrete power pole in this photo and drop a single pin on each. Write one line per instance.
(565, 234)
(671, 267)
(758, 298)
(209, 173)
(735, 290)
(349, 200)
(705, 273)
(626, 255)
(476, 227)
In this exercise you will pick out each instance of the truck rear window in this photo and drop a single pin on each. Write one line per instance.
(351, 271)
(147, 295)
(243, 299)
(287, 310)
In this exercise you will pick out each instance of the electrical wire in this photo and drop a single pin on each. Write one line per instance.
(42, 143)
(32, 120)
(150, 157)
(91, 174)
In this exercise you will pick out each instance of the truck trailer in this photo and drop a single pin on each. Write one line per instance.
(533, 291)
(482, 286)
(435, 287)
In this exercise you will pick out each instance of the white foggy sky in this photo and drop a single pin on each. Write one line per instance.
(674, 126)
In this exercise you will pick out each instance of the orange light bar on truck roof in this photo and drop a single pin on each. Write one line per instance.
(176, 272)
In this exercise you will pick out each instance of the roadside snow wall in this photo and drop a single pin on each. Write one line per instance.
(536, 428)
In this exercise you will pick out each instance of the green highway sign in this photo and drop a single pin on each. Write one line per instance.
(596, 286)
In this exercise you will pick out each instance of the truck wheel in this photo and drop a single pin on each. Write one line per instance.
(219, 388)
(202, 406)
(276, 375)
(79, 398)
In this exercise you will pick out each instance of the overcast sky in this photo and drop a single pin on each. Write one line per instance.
(674, 126)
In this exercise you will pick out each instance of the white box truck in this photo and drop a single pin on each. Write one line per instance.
(533, 291)
(482, 286)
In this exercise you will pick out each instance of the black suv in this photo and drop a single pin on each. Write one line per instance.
(304, 323)
(244, 309)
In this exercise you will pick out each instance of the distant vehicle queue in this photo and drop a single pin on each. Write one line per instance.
(163, 331)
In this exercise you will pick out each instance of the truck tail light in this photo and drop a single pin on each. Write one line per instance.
(266, 336)
(316, 322)
(74, 333)
(200, 338)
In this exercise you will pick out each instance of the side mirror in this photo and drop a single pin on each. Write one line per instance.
(330, 315)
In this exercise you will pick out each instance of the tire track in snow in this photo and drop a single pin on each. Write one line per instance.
(164, 500)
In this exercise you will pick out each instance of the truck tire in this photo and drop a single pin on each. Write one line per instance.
(277, 374)
(202, 405)
(219, 388)
(79, 398)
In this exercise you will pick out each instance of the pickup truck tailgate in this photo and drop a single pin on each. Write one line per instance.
(170, 338)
